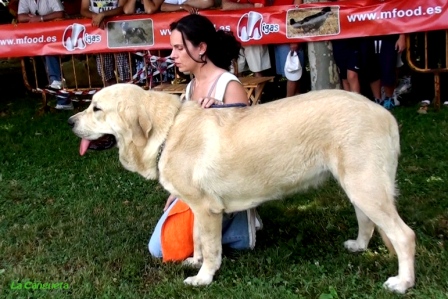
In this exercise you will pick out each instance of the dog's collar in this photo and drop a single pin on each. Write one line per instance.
(162, 146)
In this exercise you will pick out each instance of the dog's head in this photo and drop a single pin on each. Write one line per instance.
(133, 116)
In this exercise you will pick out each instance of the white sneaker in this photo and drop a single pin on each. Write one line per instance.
(445, 103)
(67, 106)
(56, 84)
(404, 86)
(425, 103)
(258, 222)
(252, 226)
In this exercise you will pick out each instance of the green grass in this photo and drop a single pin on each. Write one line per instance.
(85, 222)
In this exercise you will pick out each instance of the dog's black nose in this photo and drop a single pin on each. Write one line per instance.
(71, 122)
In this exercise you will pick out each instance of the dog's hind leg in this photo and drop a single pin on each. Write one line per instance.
(209, 227)
(375, 200)
(365, 232)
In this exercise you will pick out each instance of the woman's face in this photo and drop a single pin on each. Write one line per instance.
(180, 55)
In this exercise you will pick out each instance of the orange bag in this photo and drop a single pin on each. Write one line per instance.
(177, 233)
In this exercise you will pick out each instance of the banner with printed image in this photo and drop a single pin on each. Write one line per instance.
(267, 25)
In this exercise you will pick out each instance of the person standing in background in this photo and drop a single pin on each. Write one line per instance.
(35, 11)
(282, 51)
(98, 11)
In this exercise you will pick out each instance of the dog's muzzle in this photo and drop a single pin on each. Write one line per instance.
(71, 122)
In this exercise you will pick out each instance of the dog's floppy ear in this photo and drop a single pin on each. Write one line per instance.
(137, 120)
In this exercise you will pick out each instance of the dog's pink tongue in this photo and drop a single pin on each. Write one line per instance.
(83, 146)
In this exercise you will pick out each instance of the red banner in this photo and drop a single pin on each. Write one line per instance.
(268, 25)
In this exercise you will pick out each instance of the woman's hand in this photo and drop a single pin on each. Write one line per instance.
(97, 20)
(400, 45)
(169, 201)
(207, 102)
(34, 18)
(192, 10)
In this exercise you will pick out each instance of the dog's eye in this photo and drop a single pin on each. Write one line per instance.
(95, 109)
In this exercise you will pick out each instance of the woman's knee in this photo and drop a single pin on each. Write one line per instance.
(155, 247)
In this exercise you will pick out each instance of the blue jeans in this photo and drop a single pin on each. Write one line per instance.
(235, 232)
(53, 68)
(54, 74)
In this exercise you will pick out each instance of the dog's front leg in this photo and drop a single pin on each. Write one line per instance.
(209, 227)
(196, 260)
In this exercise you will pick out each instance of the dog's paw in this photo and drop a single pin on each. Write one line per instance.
(192, 262)
(395, 284)
(197, 280)
(354, 246)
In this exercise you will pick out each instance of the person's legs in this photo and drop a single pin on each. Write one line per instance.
(340, 56)
(281, 52)
(388, 61)
(155, 242)
(376, 90)
(105, 66)
(301, 55)
(353, 81)
(353, 65)
(239, 229)
(124, 71)
(257, 58)
(53, 66)
(292, 88)
(369, 64)
(53, 69)
(345, 85)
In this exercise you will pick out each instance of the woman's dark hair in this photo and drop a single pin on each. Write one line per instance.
(222, 46)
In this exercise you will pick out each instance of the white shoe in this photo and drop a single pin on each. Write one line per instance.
(253, 224)
(258, 222)
(404, 86)
(68, 106)
(425, 103)
(56, 84)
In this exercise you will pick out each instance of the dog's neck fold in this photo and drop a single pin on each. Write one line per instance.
(145, 155)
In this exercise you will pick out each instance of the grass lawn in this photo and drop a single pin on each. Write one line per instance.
(84, 222)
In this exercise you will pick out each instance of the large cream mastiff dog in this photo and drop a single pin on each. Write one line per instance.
(232, 159)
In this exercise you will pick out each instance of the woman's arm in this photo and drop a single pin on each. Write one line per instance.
(235, 93)
(152, 6)
(85, 11)
(129, 7)
(167, 7)
(53, 15)
(230, 5)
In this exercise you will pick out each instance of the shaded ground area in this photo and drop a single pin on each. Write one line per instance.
(11, 81)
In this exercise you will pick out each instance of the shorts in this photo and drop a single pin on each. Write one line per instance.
(106, 63)
(281, 52)
(346, 57)
(379, 59)
(256, 57)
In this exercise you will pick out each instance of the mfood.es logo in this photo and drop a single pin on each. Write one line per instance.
(251, 26)
(76, 37)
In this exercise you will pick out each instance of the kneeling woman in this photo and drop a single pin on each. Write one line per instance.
(207, 54)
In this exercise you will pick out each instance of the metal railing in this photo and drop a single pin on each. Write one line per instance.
(427, 52)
